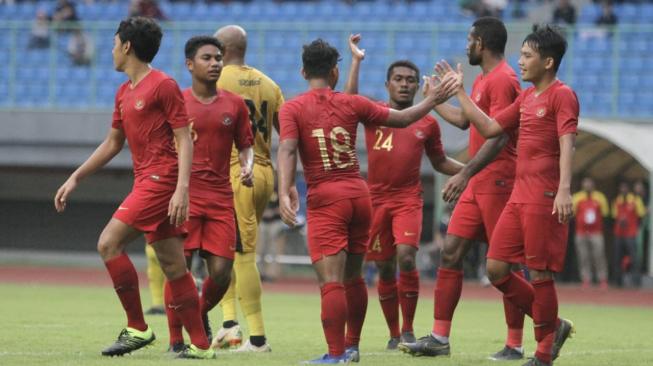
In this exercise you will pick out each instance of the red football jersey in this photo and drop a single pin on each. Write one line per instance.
(147, 113)
(324, 122)
(215, 127)
(394, 156)
(542, 119)
(492, 93)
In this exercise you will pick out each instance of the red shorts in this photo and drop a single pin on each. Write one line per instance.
(528, 233)
(340, 225)
(211, 227)
(396, 222)
(476, 214)
(146, 210)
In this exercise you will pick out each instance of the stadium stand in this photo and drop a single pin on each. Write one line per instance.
(606, 67)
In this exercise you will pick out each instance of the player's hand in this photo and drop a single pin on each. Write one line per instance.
(356, 52)
(61, 197)
(441, 89)
(178, 209)
(288, 206)
(562, 205)
(247, 176)
(454, 188)
(442, 69)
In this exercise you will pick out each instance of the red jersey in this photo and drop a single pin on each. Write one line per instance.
(492, 93)
(324, 122)
(542, 119)
(627, 211)
(215, 127)
(147, 113)
(395, 156)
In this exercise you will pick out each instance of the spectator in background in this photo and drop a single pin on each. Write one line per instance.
(564, 13)
(639, 188)
(590, 207)
(65, 13)
(146, 8)
(608, 17)
(80, 48)
(627, 210)
(40, 34)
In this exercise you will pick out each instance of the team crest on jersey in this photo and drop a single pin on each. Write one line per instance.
(478, 97)
(419, 134)
(139, 104)
(227, 120)
(541, 112)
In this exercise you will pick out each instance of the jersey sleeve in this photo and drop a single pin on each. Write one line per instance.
(288, 122)
(243, 137)
(508, 118)
(565, 105)
(433, 144)
(172, 103)
(116, 119)
(280, 99)
(502, 93)
(368, 112)
(640, 208)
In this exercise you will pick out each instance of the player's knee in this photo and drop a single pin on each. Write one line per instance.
(386, 271)
(107, 248)
(406, 262)
(497, 270)
(450, 258)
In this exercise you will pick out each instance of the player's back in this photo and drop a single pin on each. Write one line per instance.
(147, 113)
(325, 122)
(263, 98)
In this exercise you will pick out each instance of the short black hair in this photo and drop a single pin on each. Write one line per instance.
(319, 58)
(493, 33)
(144, 34)
(195, 43)
(401, 63)
(548, 41)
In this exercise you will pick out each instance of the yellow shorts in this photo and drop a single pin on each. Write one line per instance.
(250, 203)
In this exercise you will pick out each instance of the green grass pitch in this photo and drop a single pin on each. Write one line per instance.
(46, 325)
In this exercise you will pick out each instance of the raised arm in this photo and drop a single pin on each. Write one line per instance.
(562, 205)
(453, 115)
(110, 147)
(485, 125)
(357, 55)
(457, 183)
(286, 170)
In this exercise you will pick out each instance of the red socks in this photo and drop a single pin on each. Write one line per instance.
(518, 291)
(187, 305)
(356, 294)
(448, 287)
(545, 316)
(212, 293)
(125, 282)
(408, 294)
(334, 316)
(174, 323)
(388, 297)
(514, 320)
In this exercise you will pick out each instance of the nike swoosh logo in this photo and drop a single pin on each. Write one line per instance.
(530, 256)
(174, 307)
(409, 234)
(383, 298)
(123, 208)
